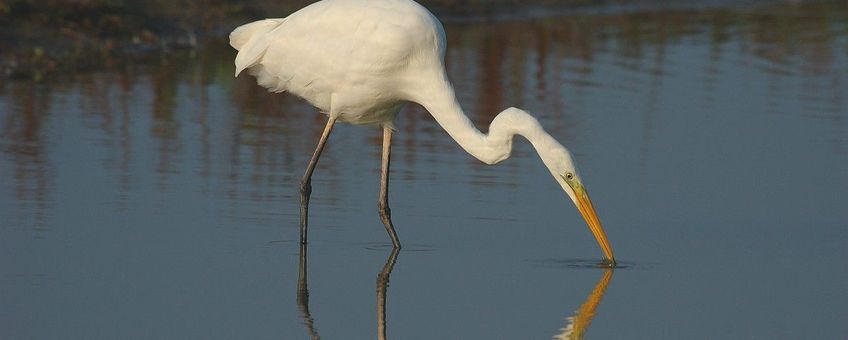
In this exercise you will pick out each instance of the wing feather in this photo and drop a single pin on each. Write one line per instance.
(252, 40)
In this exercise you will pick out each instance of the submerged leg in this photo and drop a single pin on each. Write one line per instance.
(383, 201)
(306, 182)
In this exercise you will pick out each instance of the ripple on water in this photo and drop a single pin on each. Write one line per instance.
(383, 246)
(583, 264)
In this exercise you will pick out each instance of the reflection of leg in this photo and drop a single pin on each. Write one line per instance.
(306, 182)
(382, 284)
(383, 201)
(303, 295)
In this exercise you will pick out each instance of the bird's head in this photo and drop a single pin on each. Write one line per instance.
(559, 162)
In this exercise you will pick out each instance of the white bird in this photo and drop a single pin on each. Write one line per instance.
(359, 61)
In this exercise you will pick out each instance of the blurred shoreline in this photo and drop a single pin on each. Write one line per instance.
(54, 36)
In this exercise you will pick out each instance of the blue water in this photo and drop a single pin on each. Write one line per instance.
(160, 200)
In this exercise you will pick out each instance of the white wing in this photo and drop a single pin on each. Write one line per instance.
(251, 41)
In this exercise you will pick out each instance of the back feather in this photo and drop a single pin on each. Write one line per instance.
(251, 40)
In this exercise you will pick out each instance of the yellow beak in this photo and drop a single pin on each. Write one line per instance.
(584, 204)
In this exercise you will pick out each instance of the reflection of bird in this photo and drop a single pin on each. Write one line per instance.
(382, 288)
(579, 323)
(303, 295)
(360, 61)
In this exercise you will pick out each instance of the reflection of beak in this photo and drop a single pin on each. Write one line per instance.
(579, 323)
(584, 204)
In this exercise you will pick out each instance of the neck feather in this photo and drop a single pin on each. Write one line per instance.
(490, 148)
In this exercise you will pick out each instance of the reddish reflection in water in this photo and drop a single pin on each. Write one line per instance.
(27, 173)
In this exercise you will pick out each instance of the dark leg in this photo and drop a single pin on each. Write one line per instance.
(306, 182)
(383, 201)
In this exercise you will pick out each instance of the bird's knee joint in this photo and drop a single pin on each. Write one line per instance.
(305, 187)
(384, 209)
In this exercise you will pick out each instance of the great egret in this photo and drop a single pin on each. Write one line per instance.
(359, 61)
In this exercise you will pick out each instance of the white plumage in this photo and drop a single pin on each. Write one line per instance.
(359, 61)
(342, 55)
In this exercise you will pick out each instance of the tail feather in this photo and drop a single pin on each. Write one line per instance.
(251, 40)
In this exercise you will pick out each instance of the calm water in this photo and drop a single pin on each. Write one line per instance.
(159, 200)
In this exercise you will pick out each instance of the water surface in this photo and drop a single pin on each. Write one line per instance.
(159, 200)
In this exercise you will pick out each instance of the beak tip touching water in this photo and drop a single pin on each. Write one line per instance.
(587, 210)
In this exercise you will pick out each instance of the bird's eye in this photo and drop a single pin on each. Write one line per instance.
(569, 175)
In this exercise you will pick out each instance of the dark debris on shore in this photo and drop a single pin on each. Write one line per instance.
(40, 37)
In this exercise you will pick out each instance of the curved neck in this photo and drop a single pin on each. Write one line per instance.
(439, 99)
